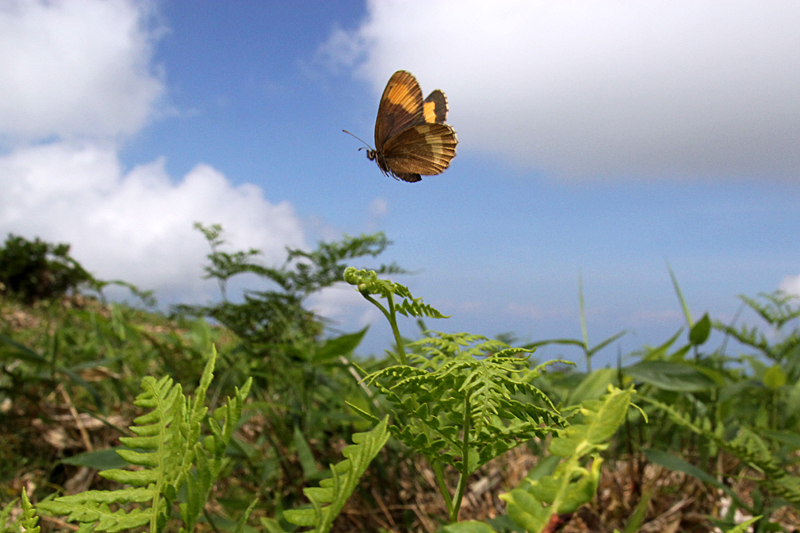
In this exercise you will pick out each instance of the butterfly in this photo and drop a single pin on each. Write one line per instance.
(411, 138)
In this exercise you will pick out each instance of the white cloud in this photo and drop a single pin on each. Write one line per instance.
(136, 226)
(791, 284)
(79, 75)
(76, 68)
(378, 208)
(345, 303)
(579, 88)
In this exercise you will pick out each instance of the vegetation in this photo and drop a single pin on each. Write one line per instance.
(37, 270)
(261, 419)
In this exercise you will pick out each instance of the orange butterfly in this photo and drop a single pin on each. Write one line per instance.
(411, 138)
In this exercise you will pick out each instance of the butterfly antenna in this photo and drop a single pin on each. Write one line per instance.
(360, 139)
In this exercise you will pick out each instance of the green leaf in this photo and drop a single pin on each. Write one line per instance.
(99, 459)
(593, 386)
(339, 346)
(526, 511)
(636, 519)
(23, 352)
(270, 525)
(168, 448)
(700, 331)
(681, 299)
(505, 524)
(677, 464)
(775, 377)
(744, 527)
(668, 375)
(468, 526)
(305, 455)
(29, 519)
(570, 485)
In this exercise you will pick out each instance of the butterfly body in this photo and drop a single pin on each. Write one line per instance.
(411, 138)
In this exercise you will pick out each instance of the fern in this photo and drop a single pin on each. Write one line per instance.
(172, 456)
(29, 519)
(777, 311)
(328, 499)
(461, 403)
(368, 283)
(451, 389)
(571, 483)
(6, 524)
(750, 448)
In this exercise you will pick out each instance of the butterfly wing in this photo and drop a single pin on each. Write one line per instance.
(400, 107)
(434, 108)
(424, 149)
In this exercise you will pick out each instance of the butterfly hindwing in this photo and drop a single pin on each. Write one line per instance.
(425, 149)
(434, 108)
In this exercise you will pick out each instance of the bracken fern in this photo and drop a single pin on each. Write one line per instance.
(573, 482)
(328, 499)
(169, 449)
(462, 401)
(750, 448)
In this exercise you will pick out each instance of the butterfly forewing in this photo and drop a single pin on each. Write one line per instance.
(400, 107)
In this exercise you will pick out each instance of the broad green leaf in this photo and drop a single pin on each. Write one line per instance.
(668, 375)
(305, 454)
(775, 377)
(744, 527)
(593, 386)
(526, 511)
(99, 459)
(468, 526)
(505, 524)
(700, 331)
(677, 464)
(339, 346)
(271, 525)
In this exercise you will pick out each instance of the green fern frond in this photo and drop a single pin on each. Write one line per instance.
(328, 499)
(749, 447)
(572, 483)
(29, 519)
(168, 448)
(458, 383)
(748, 336)
(778, 309)
(368, 283)
(6, 524)
(437, 348)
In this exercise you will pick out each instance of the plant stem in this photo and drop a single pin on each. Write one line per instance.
(391, 316)
(437, 471)
(464, 474)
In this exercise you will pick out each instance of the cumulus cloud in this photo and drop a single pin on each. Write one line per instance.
(137, 226)
(345, 303)
(580, 89)
(791, 284)
(76, 68)
(78, 78)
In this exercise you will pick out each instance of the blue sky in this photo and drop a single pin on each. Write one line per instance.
(597, 139)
